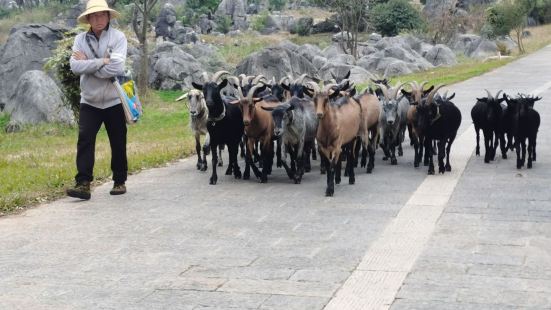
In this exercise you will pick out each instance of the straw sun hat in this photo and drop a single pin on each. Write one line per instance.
(94, 6)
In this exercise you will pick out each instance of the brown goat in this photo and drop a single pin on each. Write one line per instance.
(371, 111)
(259, 127)
(415, 98)
(339, 125)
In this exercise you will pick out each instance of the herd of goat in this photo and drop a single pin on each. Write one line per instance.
(296, 115)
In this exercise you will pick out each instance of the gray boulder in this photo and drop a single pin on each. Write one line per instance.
(319, 62)
(172, 68)
(332, 51)
(276, 62)
(344, 59)
(309, 51)
(357, 74)
(37, 99)
(481, 49)
(183, 35)
(207, 55)
(437, 8)
(235, 9)
(284, 22)
(397, 67)
(441, 55)
(290, 46)
(341, 36)
(26, 49)
(462, 42)
(165, 21)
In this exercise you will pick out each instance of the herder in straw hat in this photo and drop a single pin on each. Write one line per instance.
(98, 55)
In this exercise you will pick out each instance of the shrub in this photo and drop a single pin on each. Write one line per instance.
(303, 26)
(394, 16)
(223, 24)
(277, 5)
(58, 63)
(260, 21)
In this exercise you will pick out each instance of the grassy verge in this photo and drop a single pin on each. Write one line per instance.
(38, 163)
(36, 15)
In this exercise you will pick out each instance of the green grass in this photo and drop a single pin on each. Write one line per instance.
(38, 163)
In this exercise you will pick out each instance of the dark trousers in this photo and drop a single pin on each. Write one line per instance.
(90, 121)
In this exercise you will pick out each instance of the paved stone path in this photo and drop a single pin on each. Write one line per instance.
(175, 242)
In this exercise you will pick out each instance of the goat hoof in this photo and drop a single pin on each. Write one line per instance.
(220, 164)
(369, 170)
(246, 176)
(441, 170)
(486, 161)
(529, 166)
(400, 153)
(504, 156)
(394, 161)
(329, 192)
(351, 181)
(448, 168)
(237, 174)
(204, 168)
(263, 180)
(212, 181)
(198, 166)
(385, 158)
(431, 172)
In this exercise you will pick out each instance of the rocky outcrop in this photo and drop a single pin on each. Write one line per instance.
(26, 49)
(37, 99)
(172, 68)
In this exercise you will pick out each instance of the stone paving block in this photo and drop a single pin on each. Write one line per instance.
(279, 287)
(323, 276)
(240, 273)
(177, 299)
(278, 302)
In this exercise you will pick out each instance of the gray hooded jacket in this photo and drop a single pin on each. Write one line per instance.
(96, 88)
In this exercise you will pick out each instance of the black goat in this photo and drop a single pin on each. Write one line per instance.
(438, 120)
(225, 124)
(525, 125)
(486, 115)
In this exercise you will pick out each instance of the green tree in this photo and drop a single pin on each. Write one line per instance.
(507, 16)
(394, 16)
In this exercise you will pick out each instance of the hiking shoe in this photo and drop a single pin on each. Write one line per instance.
(118, 189)
(81, 190)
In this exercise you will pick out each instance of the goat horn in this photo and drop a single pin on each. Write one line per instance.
(327, 87)
(384, 90)
(181, 97)
(300, 79)
(397, 89)
(445, 97)
(314, 86)
(251, 92)
(235, 83)
(432, 93)
(218, 74)
(497, 95)
(258, 78)
(489, 95)
(283, 79)
(205, 76)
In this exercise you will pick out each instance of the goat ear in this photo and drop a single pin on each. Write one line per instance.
(269, 109)
(352, 92)
(223, 84)
(405, 93)
(197, 86)
(286, 87)
(451, 97)
(308, 92)
(235, 101)
(334, 95)
(255, 100)
(537, 99)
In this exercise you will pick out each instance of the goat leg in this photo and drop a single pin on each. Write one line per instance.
(476, 129)
(330, 168)
(441, 154)
(220, 149)
(214, 176)
(198, 151)
(371, 163)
